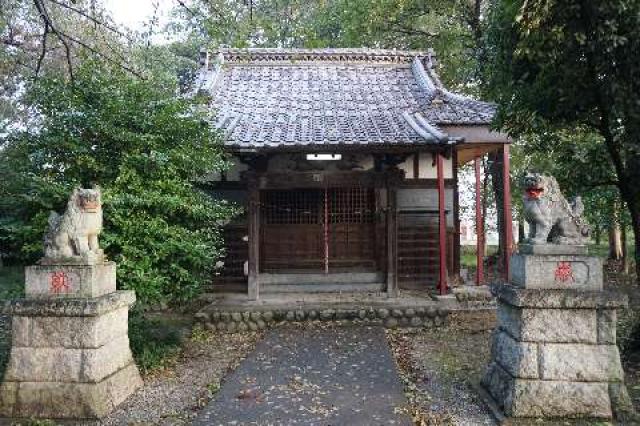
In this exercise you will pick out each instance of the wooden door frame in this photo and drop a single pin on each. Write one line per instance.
(384, 184)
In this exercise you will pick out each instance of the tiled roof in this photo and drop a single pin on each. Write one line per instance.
(279, 98)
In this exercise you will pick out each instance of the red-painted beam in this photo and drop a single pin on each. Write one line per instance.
(508, 225)
(479, 226)
(442, 230)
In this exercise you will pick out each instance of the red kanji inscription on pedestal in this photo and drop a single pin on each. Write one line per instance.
(564, 273)
(59, 282)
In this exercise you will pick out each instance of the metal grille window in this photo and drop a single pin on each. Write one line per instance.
(319, 228)
(351, 205)
(292, 207)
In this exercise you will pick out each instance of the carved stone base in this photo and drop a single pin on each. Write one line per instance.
(70, 358)
(560, 271)
(554, 353)
(70, 280)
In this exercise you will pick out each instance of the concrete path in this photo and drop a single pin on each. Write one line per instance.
(313, 376)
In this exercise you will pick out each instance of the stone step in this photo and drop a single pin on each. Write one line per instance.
(320, 278)
(323, 288)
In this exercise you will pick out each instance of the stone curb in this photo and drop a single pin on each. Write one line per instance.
(239, 321)
(81, 307)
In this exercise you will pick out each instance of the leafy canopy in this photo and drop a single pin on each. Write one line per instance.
(451, 27)
(145, 147)
(567, 71)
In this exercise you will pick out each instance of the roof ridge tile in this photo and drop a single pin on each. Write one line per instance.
(243, 55)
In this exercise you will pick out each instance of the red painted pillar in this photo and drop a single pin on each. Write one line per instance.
(442, 230)
(508, 225)
(479, 226)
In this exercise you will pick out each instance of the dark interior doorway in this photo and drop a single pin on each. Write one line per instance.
(318, 230)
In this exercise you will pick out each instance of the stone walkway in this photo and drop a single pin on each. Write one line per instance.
(318, 376)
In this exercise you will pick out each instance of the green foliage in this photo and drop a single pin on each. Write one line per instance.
(566, 72)
(549, 60)
(452, 27)
(144, 146)
(581, 165)
(11, 282)
(154, 345)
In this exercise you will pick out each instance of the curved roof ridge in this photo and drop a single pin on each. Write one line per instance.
(240, 55)
(447, 94)
(423, 78)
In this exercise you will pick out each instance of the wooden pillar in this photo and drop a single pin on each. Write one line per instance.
(442, 227)
(254, 239)
(507, 221)
(479, 226)
(456, 215)
(392, 228)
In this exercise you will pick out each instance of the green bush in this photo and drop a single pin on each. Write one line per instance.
(153, 344)
(145, 147)
(11, 282)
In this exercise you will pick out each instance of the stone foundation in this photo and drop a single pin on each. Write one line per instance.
(554, 353)
(70, 358)
(231, 321)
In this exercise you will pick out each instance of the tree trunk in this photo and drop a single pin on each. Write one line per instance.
(627, 169)
(597, 235)
(615, 241)
(634, 209)
(625, 258)
(630, 192)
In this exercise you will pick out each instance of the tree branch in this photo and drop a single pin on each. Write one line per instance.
(91, 18)
(65, 38)
(49, 27)
(412, 31)
(187, 8)
(102, 55)
(43, 52)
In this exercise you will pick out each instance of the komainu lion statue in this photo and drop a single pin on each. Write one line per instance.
(550, 216)
(74, 234)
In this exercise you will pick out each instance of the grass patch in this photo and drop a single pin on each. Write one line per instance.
(468, 255)
(155, 342)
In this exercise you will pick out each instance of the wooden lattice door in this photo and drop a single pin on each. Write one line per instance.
(318, 230)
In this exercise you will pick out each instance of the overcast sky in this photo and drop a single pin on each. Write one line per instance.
(134, 13)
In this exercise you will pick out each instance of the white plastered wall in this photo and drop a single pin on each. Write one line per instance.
(426, 167)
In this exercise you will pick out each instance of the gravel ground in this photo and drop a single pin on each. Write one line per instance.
(173, 397)
(439, 368)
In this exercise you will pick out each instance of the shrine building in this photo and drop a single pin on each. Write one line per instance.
(346, 164)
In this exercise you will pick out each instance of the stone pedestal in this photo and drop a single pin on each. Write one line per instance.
(554, 352)
(70, 280)
(556, 271)
(70, 355)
